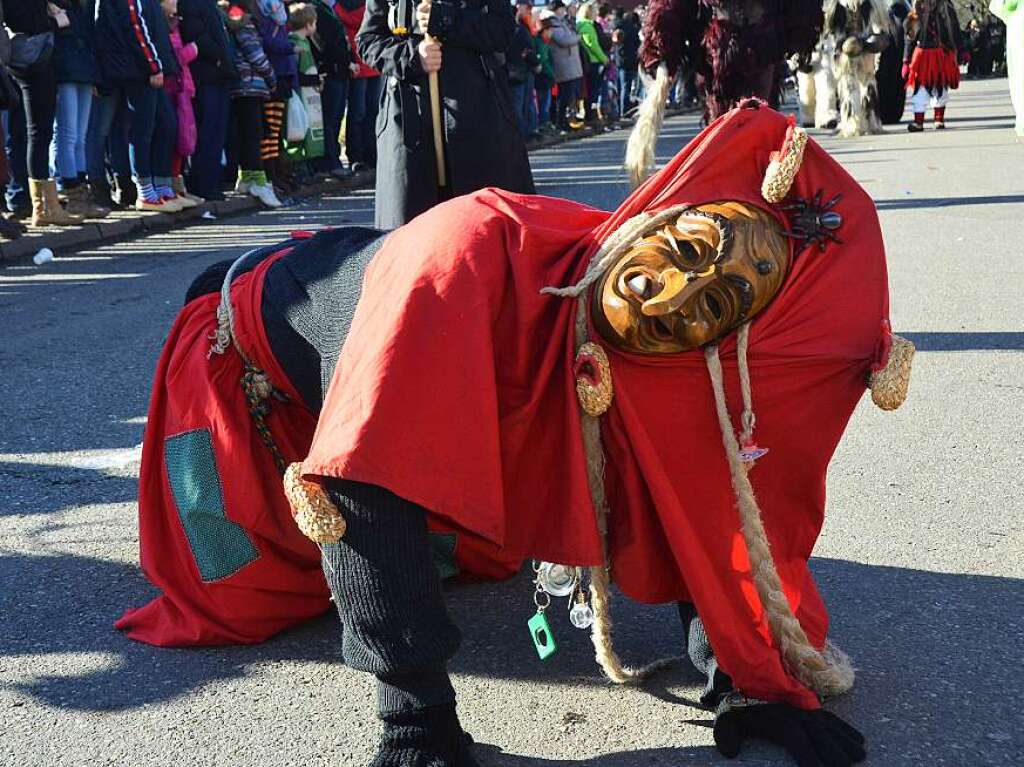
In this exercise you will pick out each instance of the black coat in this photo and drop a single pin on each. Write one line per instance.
(482, 143)
(73, 54)
(28, 17)
(133, 41)
(203, 24)
(330, 44)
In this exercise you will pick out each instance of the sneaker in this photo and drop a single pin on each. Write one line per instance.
(186, 201)
(242, 187)
(172, 205)
(150, 206)
(265, 194)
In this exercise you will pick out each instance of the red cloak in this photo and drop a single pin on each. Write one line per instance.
(455, 391)
(215, 532)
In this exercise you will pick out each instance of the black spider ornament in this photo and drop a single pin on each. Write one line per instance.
(814, 222)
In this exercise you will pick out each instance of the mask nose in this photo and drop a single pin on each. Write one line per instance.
(676, 288)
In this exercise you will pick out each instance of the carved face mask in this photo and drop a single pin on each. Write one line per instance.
(691, 281)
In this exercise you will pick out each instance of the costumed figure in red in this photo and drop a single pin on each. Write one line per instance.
(512, 377)
(736, 48)
(932, 54)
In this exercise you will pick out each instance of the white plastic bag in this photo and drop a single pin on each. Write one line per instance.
(298, 119)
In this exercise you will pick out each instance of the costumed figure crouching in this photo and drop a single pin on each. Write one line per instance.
(511, 378)
(932, 54)
(860, 30)
(736, 48)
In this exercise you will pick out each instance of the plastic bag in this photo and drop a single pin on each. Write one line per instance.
(298, 119)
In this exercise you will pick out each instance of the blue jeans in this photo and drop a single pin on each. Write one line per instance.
(525, 106)
(543, 85)
(107, 133)
(333, 97)
(153, 132)
(71, 127)
(360, 130)
(627, 77)
(212, 106)
(17, 158)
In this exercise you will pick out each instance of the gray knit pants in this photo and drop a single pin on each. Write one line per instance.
(388, 594)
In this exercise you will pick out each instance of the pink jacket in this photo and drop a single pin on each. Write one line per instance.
(186, 54)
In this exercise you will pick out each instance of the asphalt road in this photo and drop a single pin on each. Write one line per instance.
(921, 560)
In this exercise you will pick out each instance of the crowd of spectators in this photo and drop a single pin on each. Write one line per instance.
(573, 64)
(159, 105)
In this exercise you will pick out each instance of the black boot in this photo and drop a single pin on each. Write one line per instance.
(125, 192)
(99, 194)
(10, 229)
(430, 737)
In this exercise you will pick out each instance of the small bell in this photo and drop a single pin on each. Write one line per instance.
(581, 615)
(557, 580)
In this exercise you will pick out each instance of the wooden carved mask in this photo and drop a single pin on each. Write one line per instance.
(692, 281)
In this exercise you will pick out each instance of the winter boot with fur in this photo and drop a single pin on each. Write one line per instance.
(46, 207)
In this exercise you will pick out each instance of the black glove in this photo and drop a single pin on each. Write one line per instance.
(429, 737)
(813, 738)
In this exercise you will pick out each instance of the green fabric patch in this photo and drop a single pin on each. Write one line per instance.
(442, 551)
(220, 547)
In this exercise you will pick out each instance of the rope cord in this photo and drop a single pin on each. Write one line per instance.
(828, 673)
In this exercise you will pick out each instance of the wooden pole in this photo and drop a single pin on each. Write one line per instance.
(433, 82)
(435, 117)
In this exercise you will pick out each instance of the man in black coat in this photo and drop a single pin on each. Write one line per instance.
(627, 36)
(214, 72)
(482, 143)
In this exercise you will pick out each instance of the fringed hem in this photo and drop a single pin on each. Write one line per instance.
(934, 69)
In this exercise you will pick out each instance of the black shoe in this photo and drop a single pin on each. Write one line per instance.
(431, 736)
(940, 126)
(10, 229)
(914, 128)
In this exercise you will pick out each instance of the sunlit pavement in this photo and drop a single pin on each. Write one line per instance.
(921, 559)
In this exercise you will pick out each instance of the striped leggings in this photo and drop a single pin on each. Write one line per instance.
(273, 120)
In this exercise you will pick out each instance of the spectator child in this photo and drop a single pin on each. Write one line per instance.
(565, 61)
(255, 84)
(302, 20)
(271, 18)
(337, 66)
(135, 54)
(593, 54)
(213, 73)
(181, 90)
(77, 74)
(544, 80)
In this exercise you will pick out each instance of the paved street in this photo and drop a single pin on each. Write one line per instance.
(921, 560)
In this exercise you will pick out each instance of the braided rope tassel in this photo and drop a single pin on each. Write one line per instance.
(828, 673)
(600, 580)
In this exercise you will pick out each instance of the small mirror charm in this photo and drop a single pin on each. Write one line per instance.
(581, 615)
(557, 580)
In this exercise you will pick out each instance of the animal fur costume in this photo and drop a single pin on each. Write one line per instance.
(816, 85)
(933, 49)
(737, 49)
(860, 30)
(456, 389)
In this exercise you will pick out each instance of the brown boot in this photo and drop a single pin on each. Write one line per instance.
(46, 207)
(80, 204)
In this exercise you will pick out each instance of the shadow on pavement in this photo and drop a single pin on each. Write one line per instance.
(948, 202)
(493, 756)
(926, 644)
(31, 488)
(967, 342)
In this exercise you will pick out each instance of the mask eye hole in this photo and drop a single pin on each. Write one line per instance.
(639, 284)
(713, 305)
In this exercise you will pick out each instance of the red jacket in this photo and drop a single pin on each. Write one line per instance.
(353, 19)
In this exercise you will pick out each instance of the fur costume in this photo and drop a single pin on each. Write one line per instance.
(736, 48)
(816, 86)
(860, 30)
